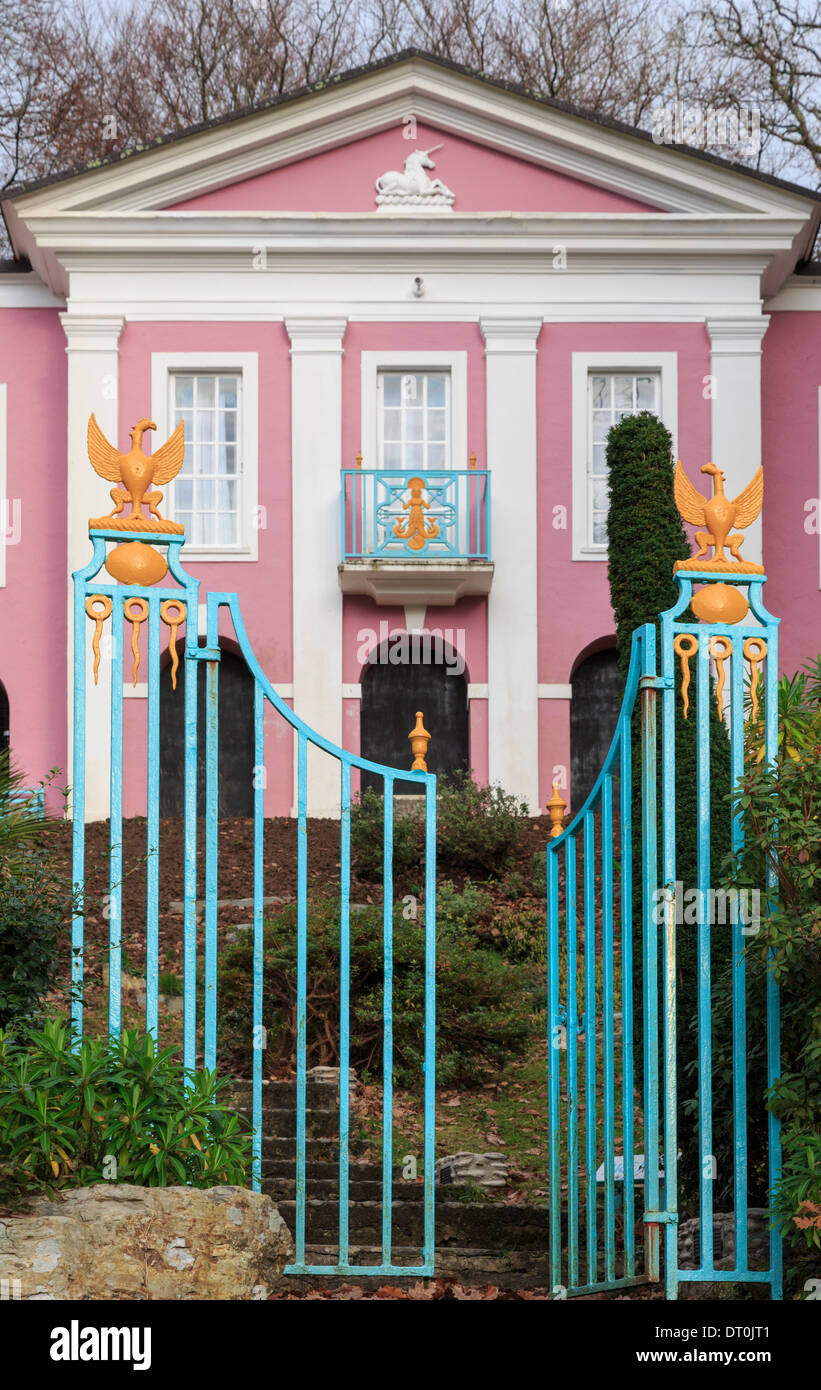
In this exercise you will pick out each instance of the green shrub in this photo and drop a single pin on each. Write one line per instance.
(367, 832)
(484, 1004)
(463, 914)
(520, 933)
(112, 1109)
(476, 827)
(35, 901)
(779, 813)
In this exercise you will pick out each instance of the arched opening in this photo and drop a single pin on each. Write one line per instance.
(594, 710)
(235, 707)
(407, 673)
(4, 719)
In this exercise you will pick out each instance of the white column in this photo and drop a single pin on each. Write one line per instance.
(316, 452)
(735, 366)
(513, 723)
(92, 350)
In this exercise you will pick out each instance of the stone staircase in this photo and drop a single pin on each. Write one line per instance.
(484, 1242)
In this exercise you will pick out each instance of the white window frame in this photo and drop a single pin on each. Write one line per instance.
(5, 500)
(583, 364)
(246, 364)
(456, 363)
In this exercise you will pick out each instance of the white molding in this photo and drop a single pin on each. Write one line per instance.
(456, 362)
(320, 333)
(737, 337)
(478, 691)
(135, 692)
(27, 291)
(351, 690)
(247, 364)
(666, 363)
(555, 692)
(5, 500)
(92, 332)
(510, 334)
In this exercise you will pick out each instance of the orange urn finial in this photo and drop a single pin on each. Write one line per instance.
(419, 740)
(556, 808)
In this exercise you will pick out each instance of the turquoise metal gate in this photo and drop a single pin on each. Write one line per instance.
(594, 909)
(147, 551)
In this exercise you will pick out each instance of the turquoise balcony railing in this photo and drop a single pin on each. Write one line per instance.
(391, 514)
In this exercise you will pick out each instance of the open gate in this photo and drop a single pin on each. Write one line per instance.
(154, 609)
(613, 1153)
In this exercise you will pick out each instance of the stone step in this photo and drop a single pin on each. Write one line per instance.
(281, 1124)
(471, 1265)
(327, 1189)
(324, 1150)
(277, 1095)
(490, 1226)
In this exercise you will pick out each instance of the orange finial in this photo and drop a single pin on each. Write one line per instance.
(359, 459)
(556, 809)
(419, 740)
(472, 463)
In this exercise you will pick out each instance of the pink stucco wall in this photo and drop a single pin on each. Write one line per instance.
(484, 180)
(791, 376)
(574, 600)
(33, 605)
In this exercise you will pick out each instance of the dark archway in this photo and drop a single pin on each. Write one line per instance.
(415, 673)
(4, 719)
(236, 739)
(594, 711)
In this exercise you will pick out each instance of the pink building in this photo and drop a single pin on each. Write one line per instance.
(459, 283)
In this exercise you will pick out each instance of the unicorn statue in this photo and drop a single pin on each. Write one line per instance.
(413, 187)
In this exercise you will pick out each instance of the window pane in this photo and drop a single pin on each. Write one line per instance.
(226, 496)
(205, 391)
(392, 425)
(601, 426)
(392, 387)
(183, 392)
(623, 392)
(227, 528)
(600, 390)
(436, 390)
(414, 422)
(392, 456)
(646, 392)
(411, 389)
(208, 530)
(600, 495)
(414, 456)
(205, 495)
(228, 393)
(184, 496)
(436, 456)
(205, 458)
(599, 460)
(599, 530)
(228, 425)
(188, 459)
(436, 424)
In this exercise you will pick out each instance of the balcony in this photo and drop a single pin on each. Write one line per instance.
(415, 537)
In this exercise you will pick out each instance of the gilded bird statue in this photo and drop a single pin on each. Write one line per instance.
(718, 513)
(136, 471)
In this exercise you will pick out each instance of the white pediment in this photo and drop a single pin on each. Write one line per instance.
(383, 98)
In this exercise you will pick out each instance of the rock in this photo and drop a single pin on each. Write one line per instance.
(330, 1075)
(115, 1241)
(484, 1170)
(758, 1250)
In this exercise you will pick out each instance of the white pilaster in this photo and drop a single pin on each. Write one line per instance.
(513, 728)
(92, 350)
(735, 366)
(316, 445)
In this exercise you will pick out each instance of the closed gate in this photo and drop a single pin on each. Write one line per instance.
(145, 559)
(615, 923)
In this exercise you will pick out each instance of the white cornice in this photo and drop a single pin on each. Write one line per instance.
(25, 290)
(92, 332)
(312, 333)
(506, 334)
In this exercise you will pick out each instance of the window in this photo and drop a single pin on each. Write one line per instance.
(421, 424)
(611, 395)
(208, 488)
(414, 420)
(214, 495)
(606, 386)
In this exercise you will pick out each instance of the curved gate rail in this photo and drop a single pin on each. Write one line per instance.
(605, 880)
(96, 604)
